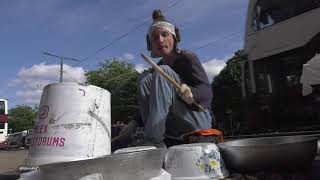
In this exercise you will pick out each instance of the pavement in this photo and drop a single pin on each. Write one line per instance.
(9, 161)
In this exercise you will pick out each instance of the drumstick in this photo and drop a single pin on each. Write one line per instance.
(167, 77)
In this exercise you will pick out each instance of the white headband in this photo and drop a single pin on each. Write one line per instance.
(164, 25)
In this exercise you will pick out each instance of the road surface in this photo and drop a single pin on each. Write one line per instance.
(11, 159)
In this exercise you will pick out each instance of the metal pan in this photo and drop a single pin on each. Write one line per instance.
(133, 165)
(269, 153)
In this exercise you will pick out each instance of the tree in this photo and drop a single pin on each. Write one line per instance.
(120, 79)
(226, 88)
(22, 117)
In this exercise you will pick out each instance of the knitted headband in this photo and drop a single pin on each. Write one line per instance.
(163, 25)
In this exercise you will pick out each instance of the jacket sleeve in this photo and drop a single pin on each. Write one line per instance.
(196, 78)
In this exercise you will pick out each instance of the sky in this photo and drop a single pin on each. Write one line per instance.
(94, 30)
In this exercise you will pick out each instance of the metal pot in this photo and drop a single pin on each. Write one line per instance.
(269, 153)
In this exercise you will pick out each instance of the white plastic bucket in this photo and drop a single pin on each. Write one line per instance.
(73, 123)
(198, 161)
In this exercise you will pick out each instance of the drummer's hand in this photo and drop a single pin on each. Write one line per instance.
(186, 94)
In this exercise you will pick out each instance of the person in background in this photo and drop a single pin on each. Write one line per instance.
(166, 112)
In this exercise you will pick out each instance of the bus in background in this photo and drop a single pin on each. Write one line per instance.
(3, 123)
(281, 36)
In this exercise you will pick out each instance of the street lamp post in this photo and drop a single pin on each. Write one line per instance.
(61, 62)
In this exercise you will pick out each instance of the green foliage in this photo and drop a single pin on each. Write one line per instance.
(120, 79)
(22, 117)
(231, 73)
(227, 88)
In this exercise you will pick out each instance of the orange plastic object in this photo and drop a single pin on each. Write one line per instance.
(209, 132)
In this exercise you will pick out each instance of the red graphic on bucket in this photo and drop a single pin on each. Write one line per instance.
(40, 129)
(48, 141)
(43, 113)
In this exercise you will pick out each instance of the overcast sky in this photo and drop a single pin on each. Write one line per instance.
(84, 29)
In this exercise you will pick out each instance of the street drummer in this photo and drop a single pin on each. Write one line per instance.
(166, 112)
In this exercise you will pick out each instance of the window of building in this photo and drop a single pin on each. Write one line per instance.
(269, 12)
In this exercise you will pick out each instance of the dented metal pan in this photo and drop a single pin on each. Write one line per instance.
(133, 165)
